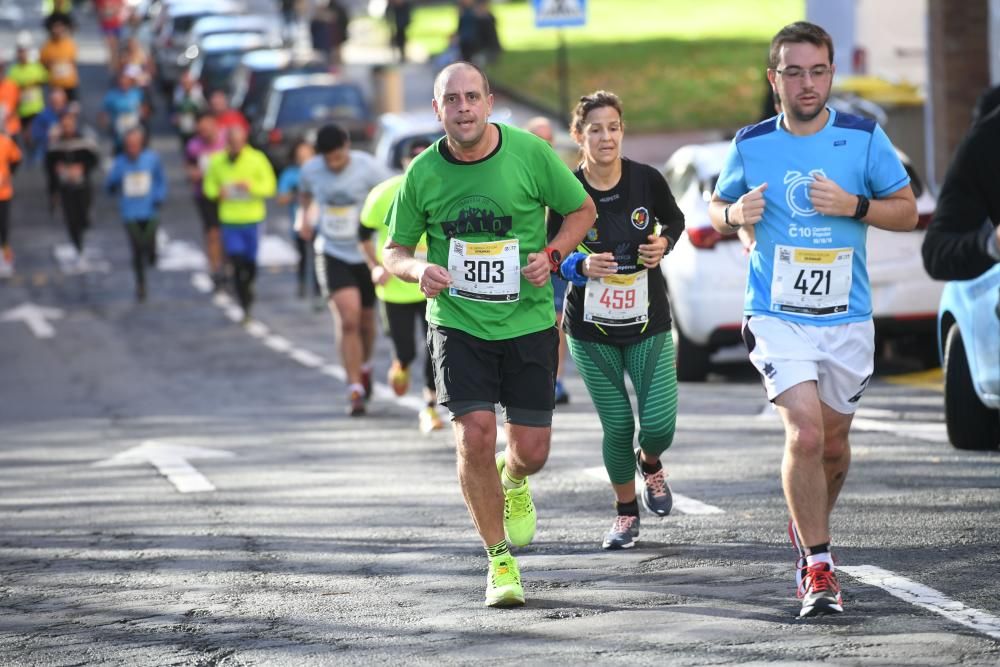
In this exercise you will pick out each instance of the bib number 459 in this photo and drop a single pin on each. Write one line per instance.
(484, 271)
(820, 280)
(618, 299)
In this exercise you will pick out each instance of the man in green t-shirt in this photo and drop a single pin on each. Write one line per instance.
(479, 194)
(404, 305)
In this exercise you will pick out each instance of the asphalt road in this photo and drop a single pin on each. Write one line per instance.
(321, 539)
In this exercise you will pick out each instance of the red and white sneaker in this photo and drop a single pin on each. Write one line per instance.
(820, 591)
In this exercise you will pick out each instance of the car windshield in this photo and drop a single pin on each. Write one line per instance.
(218, 68)
(318, 103)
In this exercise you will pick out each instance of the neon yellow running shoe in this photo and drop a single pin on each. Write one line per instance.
(503, 583)
(518, 510)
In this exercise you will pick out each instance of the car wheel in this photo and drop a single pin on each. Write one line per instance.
(691, 358)
(971, 425)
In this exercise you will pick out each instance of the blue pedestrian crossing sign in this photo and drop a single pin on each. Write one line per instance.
(560, 13)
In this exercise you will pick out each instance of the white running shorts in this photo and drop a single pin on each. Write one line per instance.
(840, 358)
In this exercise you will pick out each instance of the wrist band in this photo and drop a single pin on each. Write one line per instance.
(572, 268)
(725, 213)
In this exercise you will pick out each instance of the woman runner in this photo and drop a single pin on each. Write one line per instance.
(617, 317)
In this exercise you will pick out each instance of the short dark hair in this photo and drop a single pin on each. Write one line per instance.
(295, 149)
(439, 79)
(797, 33)
(587, 103)
(421, 143)
(330, 138)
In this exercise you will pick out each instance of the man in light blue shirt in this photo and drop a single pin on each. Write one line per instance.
(138, 179)
(333, 187)
(806, 184)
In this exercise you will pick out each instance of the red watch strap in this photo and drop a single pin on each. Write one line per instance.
(555, 258)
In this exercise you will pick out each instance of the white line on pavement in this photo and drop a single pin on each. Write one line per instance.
(682, 503)
(881, 421)
(171, 461)
(203, 283)
(928, 598)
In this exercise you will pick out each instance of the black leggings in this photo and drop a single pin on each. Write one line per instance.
(76, 212)
(4, 222)
(142, 238)
(244, 273)
(402, 319)
(306, 272)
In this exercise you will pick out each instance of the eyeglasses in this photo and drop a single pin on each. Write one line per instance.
(799, 74)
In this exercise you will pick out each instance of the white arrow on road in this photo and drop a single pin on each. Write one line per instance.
(36, 317)
(171, 461)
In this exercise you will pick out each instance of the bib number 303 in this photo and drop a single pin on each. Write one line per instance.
(489, 271)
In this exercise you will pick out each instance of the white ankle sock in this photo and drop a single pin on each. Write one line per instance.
(820, 558)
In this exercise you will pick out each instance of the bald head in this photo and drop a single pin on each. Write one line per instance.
(541, 127)
(445, 75)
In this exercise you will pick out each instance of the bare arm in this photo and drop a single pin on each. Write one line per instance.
(308, 213)
(896, 212)
(745, 211)
(400, 262)
(574, 227)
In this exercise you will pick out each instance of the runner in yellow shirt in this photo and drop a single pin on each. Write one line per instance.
(404, 304)
(240, 179)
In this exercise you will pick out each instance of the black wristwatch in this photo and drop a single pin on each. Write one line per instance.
(862, 210)
(725, 215)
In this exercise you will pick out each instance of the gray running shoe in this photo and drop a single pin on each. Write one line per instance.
(624, 533)
(820, 592)
(656, 496)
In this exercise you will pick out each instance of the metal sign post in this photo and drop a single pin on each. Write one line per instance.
(561, 14)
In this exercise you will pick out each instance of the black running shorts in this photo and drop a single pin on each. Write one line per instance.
(518, 373)
(335, 274)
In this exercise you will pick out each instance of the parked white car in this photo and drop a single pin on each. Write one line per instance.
(969, 336)
(706, 272)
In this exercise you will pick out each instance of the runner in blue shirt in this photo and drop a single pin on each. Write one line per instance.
(138, 178)
(123, 108)
(807, 183)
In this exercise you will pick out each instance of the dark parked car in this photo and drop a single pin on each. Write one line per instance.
(299, 104)
(258, 69)
(218, 57)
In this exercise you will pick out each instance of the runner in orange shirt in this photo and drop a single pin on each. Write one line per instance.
(59, 57)
(10, 158)
(9, 96)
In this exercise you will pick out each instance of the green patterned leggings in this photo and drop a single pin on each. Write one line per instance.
(650, 364)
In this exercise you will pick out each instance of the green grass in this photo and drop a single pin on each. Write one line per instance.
(677, 65)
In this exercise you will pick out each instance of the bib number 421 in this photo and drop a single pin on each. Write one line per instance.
(820, 280)
(617, 299)
(484, 271)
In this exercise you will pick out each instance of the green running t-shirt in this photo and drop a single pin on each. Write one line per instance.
(373, 215)
(499, 198)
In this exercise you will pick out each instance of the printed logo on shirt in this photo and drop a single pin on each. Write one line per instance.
(592, 234)
(640, 218)
(477, 215)
(840, 142)
(797, 191)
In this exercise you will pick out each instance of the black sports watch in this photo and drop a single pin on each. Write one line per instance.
(862, 210)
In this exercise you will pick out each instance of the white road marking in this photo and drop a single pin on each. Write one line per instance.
(36, 318)
(275, 250)
(171, 461)
(72, 263)
(882, 421)
(928, 431)
(925, 597)
(202, 282)
(682, 503)
(178, 255)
